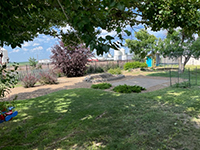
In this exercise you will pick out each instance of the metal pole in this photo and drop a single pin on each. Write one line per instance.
(189, 76)
(170, 77)
(196, 75)
(178, 76)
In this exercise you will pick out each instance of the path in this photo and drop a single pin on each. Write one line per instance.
(150, 83)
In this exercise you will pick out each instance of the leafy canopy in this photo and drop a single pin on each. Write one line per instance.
(178, 44)
(144, 43)
(25, 19)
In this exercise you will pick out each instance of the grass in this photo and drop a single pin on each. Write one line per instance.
(95, 119)
(192, 73)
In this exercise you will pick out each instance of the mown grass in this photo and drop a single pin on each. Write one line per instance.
(95, 119)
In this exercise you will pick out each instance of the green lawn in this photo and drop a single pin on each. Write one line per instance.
(95, 119)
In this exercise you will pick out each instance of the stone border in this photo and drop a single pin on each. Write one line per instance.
(103, 77)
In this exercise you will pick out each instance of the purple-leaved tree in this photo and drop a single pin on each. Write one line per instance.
(72, 60)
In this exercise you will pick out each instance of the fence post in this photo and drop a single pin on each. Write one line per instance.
(117, 63)
(178, 76)
(170, 77)
(189, 76)
(196, 75)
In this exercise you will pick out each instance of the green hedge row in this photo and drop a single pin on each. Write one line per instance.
(135, 64)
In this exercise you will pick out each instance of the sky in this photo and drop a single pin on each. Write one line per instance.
(40, 47)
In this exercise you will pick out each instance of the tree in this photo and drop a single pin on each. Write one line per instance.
(23, 20)
(27, 18)
(177, 45)
(72, 60)
(32, 62)
(143, 45)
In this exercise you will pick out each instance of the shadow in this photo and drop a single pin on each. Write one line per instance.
(94, 119)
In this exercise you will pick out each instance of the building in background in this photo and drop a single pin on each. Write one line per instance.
(3, 56)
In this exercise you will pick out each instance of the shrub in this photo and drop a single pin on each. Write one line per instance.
(29, 80)
(47, 78)
(133, 65)
(115, 71)
(58, 72)
(72, 60)
(182, 85)
(101, 86)
(93, 69)
(128, 89)
(143, 65)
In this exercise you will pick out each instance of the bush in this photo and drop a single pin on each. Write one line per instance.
(133, 65)
(72, 60)
(143, 65)
(29, 80)
(101, 86)
(93, 69)
(115, 71)
(182, 85)
(58, 72)
(47, 78)
(128, 89)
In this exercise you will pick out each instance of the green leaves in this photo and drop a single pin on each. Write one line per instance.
(8, 79)
(127, 32)
(144, 44)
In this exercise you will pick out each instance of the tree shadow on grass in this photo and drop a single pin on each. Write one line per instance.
(87, 118)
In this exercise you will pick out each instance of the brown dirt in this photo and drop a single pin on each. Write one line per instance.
(70, 83)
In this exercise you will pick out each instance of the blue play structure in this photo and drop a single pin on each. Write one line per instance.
(149, 61)
(153, 60)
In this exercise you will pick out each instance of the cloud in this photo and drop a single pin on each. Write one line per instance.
(37, 48)
(26, 44)
(158, 34)
(49, 49)
(104, 33)
(25, 49)
(64, 29)
(15, 51)
(36, 44)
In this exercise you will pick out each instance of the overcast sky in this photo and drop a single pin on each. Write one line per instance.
(40, 47)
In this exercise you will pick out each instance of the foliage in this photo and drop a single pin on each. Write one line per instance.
(27, 18)
(72, 60)
(32, 62)
(182, 85)
(128, 89)
(133, 65)
(137, 58)
(8, 79)
(143, 65)
(47, 78)
(177, 44)
(58, 72)
(29, 80)
(115, 71)
(144, 43)
(101, 86)
(93, 69)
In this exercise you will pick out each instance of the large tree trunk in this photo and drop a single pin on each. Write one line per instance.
(187, 58)
(180, 66)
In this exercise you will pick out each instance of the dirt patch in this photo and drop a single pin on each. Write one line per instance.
(75, 82)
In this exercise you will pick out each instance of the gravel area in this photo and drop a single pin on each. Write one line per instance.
(77, 82)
